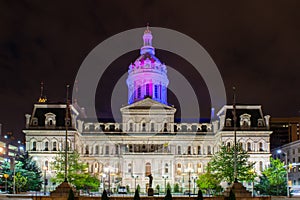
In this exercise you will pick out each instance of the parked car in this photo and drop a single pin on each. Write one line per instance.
(122, 190)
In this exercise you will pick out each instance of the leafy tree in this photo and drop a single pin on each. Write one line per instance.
(157, 188)
(273, 180)
(222, 164)
(31, 171)
(169, 187)
(77, 172)
(20, 182)
(128, 188)
(176, 188)
(27, 168)
(138, 187)
(208, 181)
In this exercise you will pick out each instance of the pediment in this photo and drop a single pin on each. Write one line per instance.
(147, 104)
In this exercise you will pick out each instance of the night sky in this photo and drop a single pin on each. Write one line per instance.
(255, 44)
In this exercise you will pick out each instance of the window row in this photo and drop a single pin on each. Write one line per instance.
(49, 146)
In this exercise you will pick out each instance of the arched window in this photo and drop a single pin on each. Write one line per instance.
(129, 168)
(46, 164)
(97, 149)
(179, 169)
(46, 146)
(261, 168)
(261, 148)
(107, 150)
(148, 169)
(34, 146)
(179, 150)
(54, 146)
(209, 150)
(199, 150)
(248, 146)
(87, 151)
(189, 151)
(130, 126)
(143, 126)
(152, 127)
(199, 168)
(228, 144)
(166, 168)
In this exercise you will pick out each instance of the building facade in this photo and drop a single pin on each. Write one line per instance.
(148, 141)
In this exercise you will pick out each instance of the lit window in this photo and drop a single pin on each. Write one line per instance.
(139, 92)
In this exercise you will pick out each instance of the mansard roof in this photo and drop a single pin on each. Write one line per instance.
(253, 112)
(57, 110)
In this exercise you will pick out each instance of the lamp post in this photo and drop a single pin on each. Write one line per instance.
(287, 172)
(6, 176)
(165, 178)
(135, 177)
(109, 170)
(194, 178)
(189, 171)
(45, 170)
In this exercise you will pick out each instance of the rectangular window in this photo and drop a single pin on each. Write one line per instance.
(139, 92)
(147, 90)
(106, 150)
(155, 91)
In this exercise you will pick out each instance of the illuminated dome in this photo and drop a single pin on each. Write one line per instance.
(147, 76)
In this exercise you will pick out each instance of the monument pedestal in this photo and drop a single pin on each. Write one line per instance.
(238, 189)
(150, 192)
(62, 190)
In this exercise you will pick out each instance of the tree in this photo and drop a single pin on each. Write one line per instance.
(222, 164)
(138, 187)
(27, 169)
(20, 182)
(208, 181)
(176, 188)
(30, 170)
(273, 179)
(169, 187)
(77, 172)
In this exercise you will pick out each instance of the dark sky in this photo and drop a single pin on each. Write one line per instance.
(255, 45)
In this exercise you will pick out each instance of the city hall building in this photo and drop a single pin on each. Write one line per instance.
(148, 140)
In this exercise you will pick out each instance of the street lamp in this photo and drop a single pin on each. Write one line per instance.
(45, 170)
(108, 170)
(165, 178)
(194, 178)
(279, 151)
(189, 170)
(135, 177)
(6, 176)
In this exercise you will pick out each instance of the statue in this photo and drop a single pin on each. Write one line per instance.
(150, 180)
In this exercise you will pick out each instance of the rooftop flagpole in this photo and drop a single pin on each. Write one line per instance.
(66, 138)
(234, 129)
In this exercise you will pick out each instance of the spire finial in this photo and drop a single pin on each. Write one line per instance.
(42, 98)
(147, 29)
